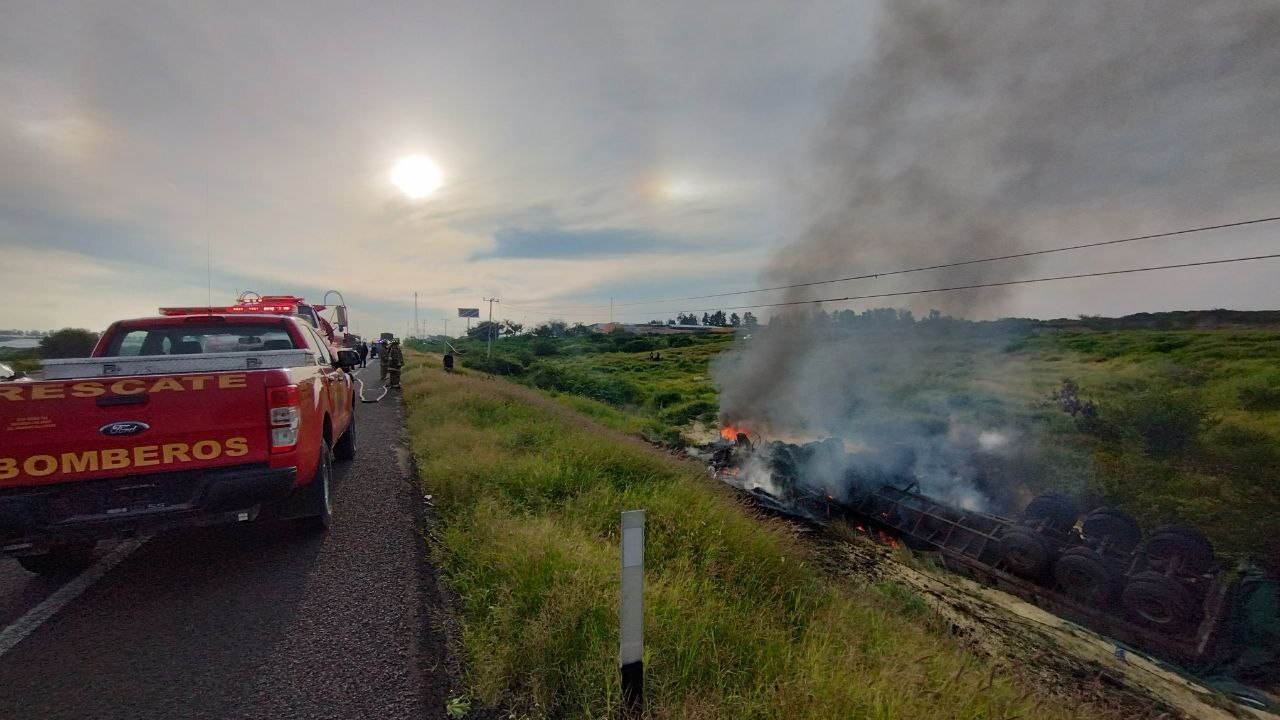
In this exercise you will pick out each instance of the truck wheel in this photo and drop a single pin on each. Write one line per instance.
(1024, 551)
(62, 562)
(1119, 530)
(1182, 544)
(1160, 602)
(1056, 510)
(1082, 574)
(345, 449)
(321, 496)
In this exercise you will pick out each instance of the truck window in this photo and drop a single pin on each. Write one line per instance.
(317, 346)
(198, 339)
(309, 314)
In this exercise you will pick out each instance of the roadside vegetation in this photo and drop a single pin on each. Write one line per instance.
(1150, 413)
(740, 621)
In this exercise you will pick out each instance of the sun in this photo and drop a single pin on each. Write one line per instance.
(417, 176)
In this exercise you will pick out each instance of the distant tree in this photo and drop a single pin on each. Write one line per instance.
(578, 330)
(734, 320)
(706, 319)
(484, 330)
(671, 322)
(749, 320)
(718, 319)
(68, 343)
(935, 315)
(510, 327)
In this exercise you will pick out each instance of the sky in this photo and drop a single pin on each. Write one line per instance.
(170, 153)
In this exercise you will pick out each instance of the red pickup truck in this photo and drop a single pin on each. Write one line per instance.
(173, 421)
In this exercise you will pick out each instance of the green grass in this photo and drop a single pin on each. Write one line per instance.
(1189, 419)
(740, 623)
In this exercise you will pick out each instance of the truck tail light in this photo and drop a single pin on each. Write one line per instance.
(284, 412)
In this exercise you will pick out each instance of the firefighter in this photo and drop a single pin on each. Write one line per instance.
(393, 362)
(363, 349)
(448, 362)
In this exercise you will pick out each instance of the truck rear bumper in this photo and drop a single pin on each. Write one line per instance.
(34, 519)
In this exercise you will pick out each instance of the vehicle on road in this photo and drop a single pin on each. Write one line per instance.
(178, 420)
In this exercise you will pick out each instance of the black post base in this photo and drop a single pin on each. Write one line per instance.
(633, 688)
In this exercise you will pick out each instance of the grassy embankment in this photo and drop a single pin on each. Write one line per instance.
(21, 359)
(1187, 424)
(739, 622)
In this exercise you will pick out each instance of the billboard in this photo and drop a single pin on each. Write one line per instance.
(469, 312)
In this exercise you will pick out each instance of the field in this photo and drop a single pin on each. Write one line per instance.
(741, 621)
(1178, 425)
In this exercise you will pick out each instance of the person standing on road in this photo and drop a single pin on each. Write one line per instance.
(394, 361)
(363, 349)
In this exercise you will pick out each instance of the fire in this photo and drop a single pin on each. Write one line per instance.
(729, 432)
(887, 539)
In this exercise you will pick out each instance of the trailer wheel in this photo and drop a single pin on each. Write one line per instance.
(1054, 509)
(1182, 544)
(1024, 551)
(60, 562)
(320, 489)
(345, 449)
(1160, 602)
(1082, 574)
(1108, 525)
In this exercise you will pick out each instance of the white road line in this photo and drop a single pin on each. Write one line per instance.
(36, 616)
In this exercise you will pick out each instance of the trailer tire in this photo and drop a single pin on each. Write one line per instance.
(320, 489)
(61, 562)
(345, 449)
(1083, 575)
(1160, 602)
(1025, 552)
(1183, 544)
(1056, 510)
(1114, 527)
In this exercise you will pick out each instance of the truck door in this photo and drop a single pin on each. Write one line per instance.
(337, 384)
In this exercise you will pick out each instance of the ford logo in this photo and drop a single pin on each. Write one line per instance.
(124, 427)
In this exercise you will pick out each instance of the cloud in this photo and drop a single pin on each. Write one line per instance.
(608, 243)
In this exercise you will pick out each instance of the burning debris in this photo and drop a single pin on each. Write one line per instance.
(1167, 594)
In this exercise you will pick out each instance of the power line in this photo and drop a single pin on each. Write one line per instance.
(975, 286)
(962, 263)
(923, 268)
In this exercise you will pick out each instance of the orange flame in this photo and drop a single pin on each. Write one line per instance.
(729, 432)
(887, 539)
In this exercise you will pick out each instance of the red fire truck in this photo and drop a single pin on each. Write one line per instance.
(200, 416)
(249, 302)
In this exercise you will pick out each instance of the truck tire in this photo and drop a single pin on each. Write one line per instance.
(61, 562)
(1024, 552)
(1054, 509)
(1160, 602)
(320, 490)
(1083, 575)
(345, 449)
(1182, 544)
(1118, 530)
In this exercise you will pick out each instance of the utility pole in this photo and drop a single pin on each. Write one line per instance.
(446, 326)
(416, 326)
(488, 348)
(610, 311)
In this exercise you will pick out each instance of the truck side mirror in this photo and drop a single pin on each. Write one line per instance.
(348, 359)
(341, 315)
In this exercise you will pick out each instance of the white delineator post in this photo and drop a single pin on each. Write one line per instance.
(631, 612)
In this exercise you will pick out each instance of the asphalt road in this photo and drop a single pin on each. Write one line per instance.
(251, 621)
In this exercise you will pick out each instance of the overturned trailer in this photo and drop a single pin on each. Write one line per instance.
(1168, 595)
